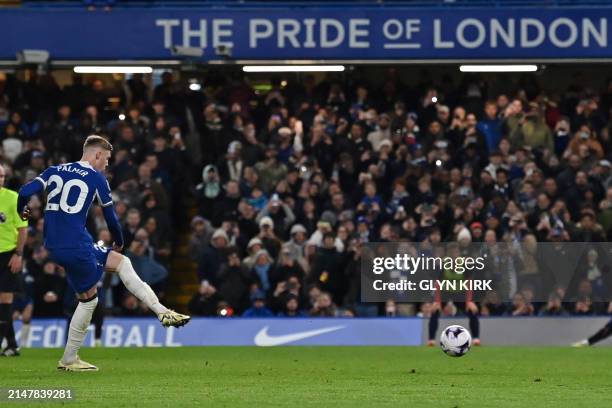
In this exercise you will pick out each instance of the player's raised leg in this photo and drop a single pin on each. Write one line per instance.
(122, 265)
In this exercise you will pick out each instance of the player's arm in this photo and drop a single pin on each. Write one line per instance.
(21, 225)
(110, 216)
(35, 186)
(113, 225)
(16, 261)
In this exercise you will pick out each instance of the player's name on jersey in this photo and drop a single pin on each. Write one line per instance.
(71, 169)
(432, 285)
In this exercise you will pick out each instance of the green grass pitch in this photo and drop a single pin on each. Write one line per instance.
(323, 377)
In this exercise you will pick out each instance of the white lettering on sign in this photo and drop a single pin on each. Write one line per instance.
(505, 33)
(198, 33)
(393, 33)
(259, 29)
(222, 29)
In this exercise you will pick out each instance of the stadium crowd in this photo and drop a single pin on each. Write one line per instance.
(292, 181)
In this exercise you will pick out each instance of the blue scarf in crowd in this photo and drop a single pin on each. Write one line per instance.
(262, 272)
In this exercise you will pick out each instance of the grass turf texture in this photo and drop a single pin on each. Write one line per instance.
(323, 376)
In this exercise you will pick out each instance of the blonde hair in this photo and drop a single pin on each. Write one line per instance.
(97, 141)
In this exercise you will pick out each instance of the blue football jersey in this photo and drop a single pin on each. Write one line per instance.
(71, 188)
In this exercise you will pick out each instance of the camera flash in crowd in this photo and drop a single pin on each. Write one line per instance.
(195, 87)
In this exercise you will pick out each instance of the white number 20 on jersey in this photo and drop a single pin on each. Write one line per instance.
(64, 189)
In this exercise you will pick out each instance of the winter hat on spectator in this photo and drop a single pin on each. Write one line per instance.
(196, 220)
(385, 142)
(253, 242)
(475, 225)
(234, 146)
(284, 131)
(220, 233)
(266, 221)
(346, 215)
(464, 235)
(12, 147)
(324, 224)
(311, 242)
(298, 228)
(258, 295)
(275, 201)
(263, 252)
(605, 163)
(329, 217)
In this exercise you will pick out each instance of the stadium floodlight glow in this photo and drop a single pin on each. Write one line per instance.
(293, 68)
(498, 68)
(112, 69)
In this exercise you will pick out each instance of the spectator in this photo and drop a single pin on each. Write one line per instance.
(533, 130)
(235, 280)
(328, 268)
(263, 270)
(520, 307)
(280, 213)
(201, 234)
(323, 306)
(295, 245)
(258, 308)
(268, 237)
(381, 133)
(553, 307)
(204, 303)
(292, 307)
(208, 190)
(492, 305)
(48, 291)
(270, 170)
(490, 126)
(212, 257)
(141, 256)
(133, 223)
(584, 137)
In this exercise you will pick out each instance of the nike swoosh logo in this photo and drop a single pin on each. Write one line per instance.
(263, 339)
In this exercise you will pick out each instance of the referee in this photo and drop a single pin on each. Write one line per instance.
(13, 232)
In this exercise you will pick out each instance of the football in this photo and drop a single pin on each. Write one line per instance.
(455, 341)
